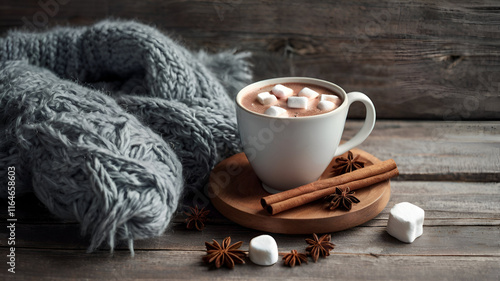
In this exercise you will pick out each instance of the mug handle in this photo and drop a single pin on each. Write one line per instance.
(367, 127)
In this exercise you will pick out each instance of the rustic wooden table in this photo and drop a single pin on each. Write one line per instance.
(435, 61)
(450, 169)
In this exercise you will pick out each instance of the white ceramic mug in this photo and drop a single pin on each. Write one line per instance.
(286, 152)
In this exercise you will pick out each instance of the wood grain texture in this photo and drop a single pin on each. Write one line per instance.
(443, 202)
(470, 240)
(239, 200)
(187, 265)
(457, 222)
(435, 60)
(460, 242)
(461, 151)
(424, 151)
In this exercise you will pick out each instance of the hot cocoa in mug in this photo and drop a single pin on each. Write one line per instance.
(309, 99)
(291, 127)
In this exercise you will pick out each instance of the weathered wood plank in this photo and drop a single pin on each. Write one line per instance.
(405, 78)
(456, 220)
(386, 19)
(436, 240)
(424, 151)
(445, 203)
(456, 151)
(415, 59)
(451, 201)
(187, 265)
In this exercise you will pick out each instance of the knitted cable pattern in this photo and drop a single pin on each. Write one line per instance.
(108, 123)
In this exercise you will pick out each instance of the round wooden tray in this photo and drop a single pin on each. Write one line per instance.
(236, 191)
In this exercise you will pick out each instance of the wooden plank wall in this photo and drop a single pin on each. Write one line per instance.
(436, 60)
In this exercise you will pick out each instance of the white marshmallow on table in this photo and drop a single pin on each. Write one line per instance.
(297, 102)
(326, 105)
(406, 222)
(333, 98)
(266, 98)
(308, 93)
(263, 250)
(281, 91)
(276, 111)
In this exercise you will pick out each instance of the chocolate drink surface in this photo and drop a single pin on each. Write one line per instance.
(291, 100)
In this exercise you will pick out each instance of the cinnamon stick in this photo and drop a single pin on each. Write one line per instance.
(301, 195)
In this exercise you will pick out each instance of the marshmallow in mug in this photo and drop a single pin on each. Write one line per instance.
(327, 102)
(308, 93)
(276, 111)
(297, 102)
(266, 98)
(332, 98)
(281, 91)
(326, 105)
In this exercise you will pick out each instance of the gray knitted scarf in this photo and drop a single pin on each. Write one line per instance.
(110, 124)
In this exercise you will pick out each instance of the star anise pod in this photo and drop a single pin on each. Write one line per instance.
(294, 258)
(319, 246)
(342, 198)
(225, 254)
(196, 218)
(347, 164)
